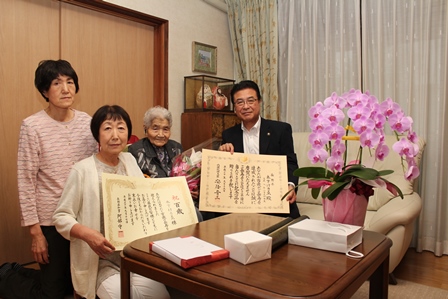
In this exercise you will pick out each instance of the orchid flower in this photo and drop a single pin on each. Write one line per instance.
(400, 123)
(366, 119)
(381, 151)
(388, 107)
(338, 148)
(413, 170)
(357, 97)
(356, 112)
(372, 102)
(335, 100)
(318, 139)
(334, 131)
(369, 138)
(319, 123)
(363, 123)
(316, 110)
(405, 148)
(317, 155)
(412, 137)
(335, 163)
(333, 114)
(379, 120)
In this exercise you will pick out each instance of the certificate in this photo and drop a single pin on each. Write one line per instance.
(138, 207)
(243, 183)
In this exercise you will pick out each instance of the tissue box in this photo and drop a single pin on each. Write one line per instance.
(248, 246)
(325, 235)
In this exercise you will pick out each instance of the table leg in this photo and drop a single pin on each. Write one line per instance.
(379, 281)
(125, 277)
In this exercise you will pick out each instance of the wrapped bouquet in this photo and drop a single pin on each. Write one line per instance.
(188, 163)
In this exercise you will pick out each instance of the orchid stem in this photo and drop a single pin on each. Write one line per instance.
(402, 159)
(346, 142)
(360, 155)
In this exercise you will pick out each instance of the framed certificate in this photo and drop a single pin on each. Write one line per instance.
(138, 207)
(243, 183)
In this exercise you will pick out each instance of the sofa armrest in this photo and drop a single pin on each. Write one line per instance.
(396, 212)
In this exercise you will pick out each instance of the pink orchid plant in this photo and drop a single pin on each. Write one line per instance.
(365, 119)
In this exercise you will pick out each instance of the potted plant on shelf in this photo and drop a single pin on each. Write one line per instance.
(347, 185)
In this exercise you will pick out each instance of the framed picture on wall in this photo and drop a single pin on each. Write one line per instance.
(204, 58)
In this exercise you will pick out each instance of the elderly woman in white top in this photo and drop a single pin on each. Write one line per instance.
(95, 265)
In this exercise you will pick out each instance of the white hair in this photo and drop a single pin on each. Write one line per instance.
(156, 112)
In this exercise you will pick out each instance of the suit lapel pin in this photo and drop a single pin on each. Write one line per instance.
(269, 133)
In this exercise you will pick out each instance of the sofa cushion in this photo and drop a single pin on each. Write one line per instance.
(392, 161)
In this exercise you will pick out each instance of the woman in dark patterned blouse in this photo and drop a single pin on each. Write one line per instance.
(155, 152)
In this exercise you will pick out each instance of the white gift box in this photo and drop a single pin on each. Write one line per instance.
(248, 246)
(325, 235)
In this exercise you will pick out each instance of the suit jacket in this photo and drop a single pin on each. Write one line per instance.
(275, 139)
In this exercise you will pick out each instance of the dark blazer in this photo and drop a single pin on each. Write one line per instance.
(275, 139)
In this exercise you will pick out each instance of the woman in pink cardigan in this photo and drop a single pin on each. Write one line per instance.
(50, 142)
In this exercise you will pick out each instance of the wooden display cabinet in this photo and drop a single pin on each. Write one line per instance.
(198, 127)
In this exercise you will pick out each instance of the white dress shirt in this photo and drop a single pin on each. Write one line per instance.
(251, 138)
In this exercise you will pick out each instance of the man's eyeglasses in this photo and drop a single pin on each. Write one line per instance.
(241, 102)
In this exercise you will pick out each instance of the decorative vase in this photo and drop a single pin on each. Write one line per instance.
(347, 207)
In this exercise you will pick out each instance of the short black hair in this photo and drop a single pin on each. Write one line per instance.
(107, 112)
(245, 84)
(48, 70)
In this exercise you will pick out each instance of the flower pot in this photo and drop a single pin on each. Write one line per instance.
(347, 207)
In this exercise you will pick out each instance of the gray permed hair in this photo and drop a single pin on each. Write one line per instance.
(156, 112)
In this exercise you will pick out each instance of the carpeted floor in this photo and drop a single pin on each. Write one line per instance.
(405, 290)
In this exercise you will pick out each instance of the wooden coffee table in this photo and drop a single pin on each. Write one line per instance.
(292, 272)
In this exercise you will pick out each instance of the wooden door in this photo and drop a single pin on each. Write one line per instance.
(113, 58)
(25, 39)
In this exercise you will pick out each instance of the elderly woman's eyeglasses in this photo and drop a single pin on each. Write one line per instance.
(249, 102)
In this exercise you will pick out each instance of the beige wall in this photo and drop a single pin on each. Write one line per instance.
(189, 20)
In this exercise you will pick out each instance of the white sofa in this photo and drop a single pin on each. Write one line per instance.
(386, 214)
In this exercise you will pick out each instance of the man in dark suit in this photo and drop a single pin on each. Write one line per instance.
(256, 135)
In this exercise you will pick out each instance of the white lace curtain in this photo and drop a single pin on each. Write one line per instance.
(393, 48)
